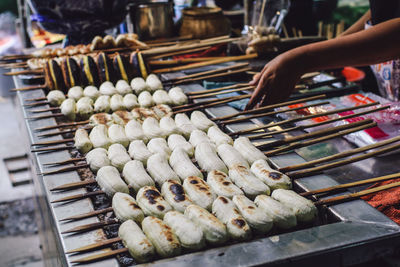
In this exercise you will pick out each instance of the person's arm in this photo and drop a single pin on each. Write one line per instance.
(358, 25)
(278, 78)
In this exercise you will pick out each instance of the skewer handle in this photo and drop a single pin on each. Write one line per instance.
(101, 256)
(28, 88)
(94, 246)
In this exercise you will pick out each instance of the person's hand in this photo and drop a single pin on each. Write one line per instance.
(275, 82)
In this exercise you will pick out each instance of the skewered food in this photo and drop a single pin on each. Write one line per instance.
(176, 141)
(134, 131)
(89, 71)
(117, 135)
(99, 138)
(139, 85)
(230, 156)
(224, 209)
(145, 99)
(200, 120)
(282, 216)
(130, 101)
(159, 169)
(246, 181)
(84, 107)
(221, 184)
(105, 67)
(126, 208)
(110, 181)
(177, 96)
(75, 93)
(117, 102)
(159, 145)
(71, 72)
(122, 117)
(53, 75)
(207, 158)
(107, 88)
(97, 158)
(152, 129)
(101, 118)
(248, 150)
(55, 97)
(199, 192)
(214, 230)
(182, 164)
(118, 156)
(174, 194)
(161, 236)
(121, 67)
(184, 124)
(218, 136)
(189, 234)
(162, 110)
(161, 97)
(102, 104)
(198, 136)
(82, 141)
(136, 176)
(123, 87)
(68, 109)
(151, 202)
(274, 179)
(92, 92)
(139, 246)
(138, 151)
(167, 124)
(139, 65)
(256, 217)
(154, 83)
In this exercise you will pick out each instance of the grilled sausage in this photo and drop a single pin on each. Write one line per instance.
(97, 158)
(118, 156)
(199, 192)
(274, 179)
(208, 159)
(126, 208)
(151, 202)
(246, 181)
(231, 156)
(218, 136)
(248, 150)
(176, 141)
(135, 175)
(138, 151)
(174, 194)
(110, 181)
(221, 184)
(82, 141)
(99, 138)
(159, 169)
(182, 164)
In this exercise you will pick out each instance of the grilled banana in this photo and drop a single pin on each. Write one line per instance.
(139, 85)
(117, 102)
(107, 88)
(177, 96)
(207, 158)
(161, 97)
(159, 145)
(134, 131)
(110, 181)
(135, 175)
(102, 104)
(162, 110)
(176, 141)
(248, 150)
(138, 151)
(258, 220)
(101, 118)
(182, 164)
(122, 117)
(145, 99)
(245, 180)
(282, 216)
(224, 209)
(151, 202)
(82, 141)
(200, 120)
(118, 156)
(55, 97)
(214, 230)
(123, 87)
(68, 109)
(97, 158)
(231, 156)
(126, 208)
(130, 101)
(161, 236)
(154, 83)
(117, 135)
(174, 194)
(198, 136)
(99, 138)
(274, 179)
(199, 192)
(189, 234)
(167, 124)
(218, 136)
(221, 184)
(152, 129)
(159, 169)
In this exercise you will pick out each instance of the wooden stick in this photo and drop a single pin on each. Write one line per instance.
(339, 187)
(217, 89)
(101, 256)
(63, 125)
(64, 162)
(36, 99)
(90, 226)
(59, 132)
(222, 92)
(272, 113)
(181, 61)
(322, 132)
(318, 140)
(190, 105)
(187, 51)
(51, 149)
(260, 19)
(54, 115)
(95, 245)
(328, 166)
(79, 196)
(266, 108)
(37, 104)
(21, 72)
(12, 57)
(347, 197)
(45, 110)
(87, 215)
(28, 88)
(207, 63)
(53, 142)
(303, 118)
(339, 155)
(66, 169)
(73, 185)
(303, 127)
(163, 40)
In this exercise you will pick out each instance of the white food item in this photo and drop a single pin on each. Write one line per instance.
(214, 230)
(151, 202)
(230, 156)
(75, 93)
(117, 135)
(159, 145)
(176, 141)
(92, 92)
(145, 99)
(68, 109)
(159, 169)
(182, 119)
(273, 178)
(139, 246)
(246, 181)
(153, 83)
(118, 156)
(84, 107)
(130, 101)
(110, 181)
(162, 237)
(303, 208)
(122, 117)
(177, 96)
(161, 97)
(102, 104)
(201, 121)
(162, 110)
(221, 184)
(207, 158)
(282, 216)
(107, 88)
(97, 158)
(152, 129)
(138, 151)
(82, 141)
(55, 97)
(117, 102)
(257, 219)
(182, 164)
(225, 210)
(135, 175)
(219, 137)
(139, 85)
(134, 131)
(174, 194)
(199, 192)
(248, 150)
(126, 208)
(167, 124)
(101, 118)
(98, 136)
(189, 234)
(123, 87)
(141, 114)
(198, 136)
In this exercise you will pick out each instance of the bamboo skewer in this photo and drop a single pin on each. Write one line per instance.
(95, 246)
(318, 140)
(21, 72)
(182, 61)
(36, 99)
(41, 103)
(69, 124)
(73, 185)
(191, 105)
(87, 215)
(180, 52)
(78, 196)
(66, 169)
(64, 162)
(339, 187)
(91, 226)
(61, 132)
(53, 142)
(51, 149)
(45, 110)
(222, 92)
(195, 93)
(53, 115)
(29, 88)
(101, 256)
